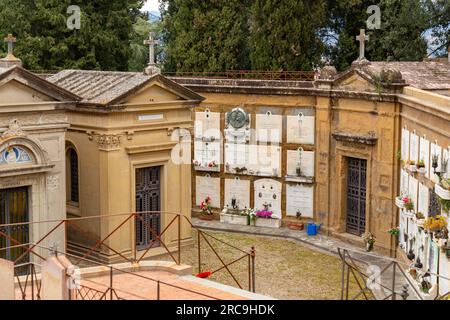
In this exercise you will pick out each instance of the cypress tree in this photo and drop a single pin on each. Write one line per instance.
(205, 36)
(285, 34)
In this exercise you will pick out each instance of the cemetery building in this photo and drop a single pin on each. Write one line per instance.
(327, 148)
(339, 149)
(33, 122)
(82, 144)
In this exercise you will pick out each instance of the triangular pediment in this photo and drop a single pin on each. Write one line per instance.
(160, 89)
(155, 92)
(15, 92)
(353, 80)
(19, 86)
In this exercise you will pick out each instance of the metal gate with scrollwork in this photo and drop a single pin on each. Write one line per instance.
(14, 209)
(148, 201)
(356, 196)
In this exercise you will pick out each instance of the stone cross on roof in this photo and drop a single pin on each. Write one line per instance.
(151, 42)
(10, 40)
(362, 38)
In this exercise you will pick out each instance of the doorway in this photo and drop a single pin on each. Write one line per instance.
(148, 202)
(356, 196)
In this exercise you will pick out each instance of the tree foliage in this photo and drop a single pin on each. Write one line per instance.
(206, 35)
(45, 42)
(284, 34)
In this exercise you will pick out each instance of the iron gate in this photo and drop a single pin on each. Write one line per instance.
(148, 201)
(14, 209)
(356, 196)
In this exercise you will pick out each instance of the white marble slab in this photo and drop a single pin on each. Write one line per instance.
(300, 129)
(207, 186)
(300, 198)
(269, 128)
(207, 125)
(306, 160)
(268, 191)
(405, 144)
(240, 190)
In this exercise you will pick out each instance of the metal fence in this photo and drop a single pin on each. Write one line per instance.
(29, 284)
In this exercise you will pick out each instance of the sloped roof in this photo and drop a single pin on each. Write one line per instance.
(107, 87)
(426, 75)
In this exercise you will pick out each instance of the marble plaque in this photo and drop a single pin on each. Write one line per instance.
(265, 160)
(412, 191)
(300, 129)
(303, 158)
(405, 144)
(207, 186)
(269, 128)
(414, 147)
(403, 224)
(446, 158)
(207, 125)
(207, 152)
(423, 198)
(425, 154)
(268, 191)
(236, 155)
(300, 198)
(404, 183)
(240, 190)
(433, 260)
(436, 150)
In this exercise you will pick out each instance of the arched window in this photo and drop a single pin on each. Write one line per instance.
(72, 175)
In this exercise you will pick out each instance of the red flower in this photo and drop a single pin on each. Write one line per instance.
(204, 275)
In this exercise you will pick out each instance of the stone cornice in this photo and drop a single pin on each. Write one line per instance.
(270, 87)
(369, 139)
(151, 148)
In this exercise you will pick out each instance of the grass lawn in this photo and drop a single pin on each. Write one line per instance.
(284, 269)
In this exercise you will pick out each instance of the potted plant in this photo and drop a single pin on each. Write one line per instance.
(395, 232)
(412, 165)
(408, 204)
(421, 167)
(297, 225)
(438, 227)
(420, 219)
(206, 208)
(369, 240)
(443, 189)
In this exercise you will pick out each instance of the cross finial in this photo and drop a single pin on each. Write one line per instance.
(10, 40)
(151, 42)
(362, 38)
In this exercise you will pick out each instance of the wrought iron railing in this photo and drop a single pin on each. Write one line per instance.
(397, 287)
(174, 251)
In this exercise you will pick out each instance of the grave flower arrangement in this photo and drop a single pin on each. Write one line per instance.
(251, 215)
(408, 204)
(369, 240)
(206, 207)
(212, 164)
(264, 213)
(438, 226)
